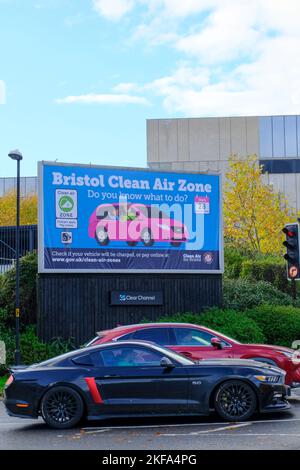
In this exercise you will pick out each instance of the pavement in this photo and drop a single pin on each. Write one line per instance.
(269, 431)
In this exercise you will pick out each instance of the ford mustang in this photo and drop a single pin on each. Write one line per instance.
(135, 378)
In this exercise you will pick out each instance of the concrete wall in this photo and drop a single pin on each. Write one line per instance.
(205, 144)
(202, 144)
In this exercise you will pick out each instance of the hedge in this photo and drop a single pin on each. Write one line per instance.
(256, 267)
(269, 324)
(268, 269)
(234, 324)
(241, 294)
(233, 261)
(28, 273)
(32, 349)
(279, 324)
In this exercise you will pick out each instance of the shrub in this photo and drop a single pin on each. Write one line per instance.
(266, 268)
(240, 294)
(231, 323)
(4, 316)
(233, 261)
(279, 324)
(8, 337)
(28, 272)
(32, 349)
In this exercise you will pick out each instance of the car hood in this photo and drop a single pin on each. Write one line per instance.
(269, 347)
(240, 363)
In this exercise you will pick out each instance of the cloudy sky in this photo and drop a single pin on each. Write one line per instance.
(79, 78)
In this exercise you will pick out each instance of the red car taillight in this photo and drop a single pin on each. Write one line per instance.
(9, 380)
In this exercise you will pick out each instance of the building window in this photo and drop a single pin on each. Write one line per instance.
(287, 165)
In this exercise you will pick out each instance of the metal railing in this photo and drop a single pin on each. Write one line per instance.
(28, 243)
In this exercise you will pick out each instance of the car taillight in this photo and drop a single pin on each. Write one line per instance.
(9, 380)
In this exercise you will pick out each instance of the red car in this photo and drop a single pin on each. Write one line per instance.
(198, 342)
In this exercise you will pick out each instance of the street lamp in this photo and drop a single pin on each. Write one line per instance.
(16, 155)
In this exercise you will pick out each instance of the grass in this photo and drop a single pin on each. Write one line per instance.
(2, 383)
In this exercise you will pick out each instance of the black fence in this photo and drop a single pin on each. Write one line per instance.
(28, 242)
(79, 305)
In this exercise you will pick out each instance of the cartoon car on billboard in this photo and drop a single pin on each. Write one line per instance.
(138, 222)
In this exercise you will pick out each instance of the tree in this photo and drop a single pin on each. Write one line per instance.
(28, 209)
(254, 214)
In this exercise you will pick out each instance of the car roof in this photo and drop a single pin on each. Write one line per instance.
(143, 325)
(85, 351)
(117, 344)
(96, 347)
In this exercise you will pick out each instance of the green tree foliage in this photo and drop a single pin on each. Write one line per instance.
(28, 273)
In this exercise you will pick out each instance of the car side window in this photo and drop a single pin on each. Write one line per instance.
(124, 337)
(127, 356)
(192, 337)
(156, 335)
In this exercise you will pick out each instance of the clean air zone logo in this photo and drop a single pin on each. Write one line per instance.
(66, 203)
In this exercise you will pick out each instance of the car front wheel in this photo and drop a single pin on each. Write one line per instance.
(102, 236)
(62, 407)
(146, 237)
(235, 400)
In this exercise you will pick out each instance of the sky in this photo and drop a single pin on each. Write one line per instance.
(79, 78)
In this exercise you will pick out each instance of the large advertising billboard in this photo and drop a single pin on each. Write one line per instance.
(109, 219)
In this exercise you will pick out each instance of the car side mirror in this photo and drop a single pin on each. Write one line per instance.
(166, 363)
(216, 343)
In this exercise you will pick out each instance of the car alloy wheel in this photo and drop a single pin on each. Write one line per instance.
(176, 244)
(102, 236)
(235, 400)
(131, 243)
(62, 407)
(146, 237)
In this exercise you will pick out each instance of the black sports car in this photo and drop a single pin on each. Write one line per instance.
(134, 378)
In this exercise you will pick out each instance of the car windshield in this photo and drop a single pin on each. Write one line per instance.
(94, 340)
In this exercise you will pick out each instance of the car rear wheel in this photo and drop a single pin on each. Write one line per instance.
(102, 236)
(175, 243)
(235, 400)
(146, 237)
(62, 407)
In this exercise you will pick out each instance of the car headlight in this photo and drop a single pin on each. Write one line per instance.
(273, 379)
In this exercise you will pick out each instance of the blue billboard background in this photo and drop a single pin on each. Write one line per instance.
(71, 195)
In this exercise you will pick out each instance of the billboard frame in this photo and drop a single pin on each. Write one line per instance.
(42, 270)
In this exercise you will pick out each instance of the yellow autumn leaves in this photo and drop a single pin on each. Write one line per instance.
(28, 209)
(254, 214)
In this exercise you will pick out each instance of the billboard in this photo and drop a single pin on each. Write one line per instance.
(109, 219)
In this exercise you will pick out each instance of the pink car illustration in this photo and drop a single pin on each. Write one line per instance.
(136, 223)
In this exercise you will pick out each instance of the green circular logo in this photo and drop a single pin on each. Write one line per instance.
(66, 203)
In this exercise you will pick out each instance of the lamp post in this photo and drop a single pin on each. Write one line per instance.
(16, 155)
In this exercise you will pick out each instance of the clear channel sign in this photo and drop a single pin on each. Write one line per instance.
(109, 219)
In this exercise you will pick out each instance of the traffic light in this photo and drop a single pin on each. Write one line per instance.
(292, 245)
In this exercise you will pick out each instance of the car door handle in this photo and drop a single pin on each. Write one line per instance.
(112, 376)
